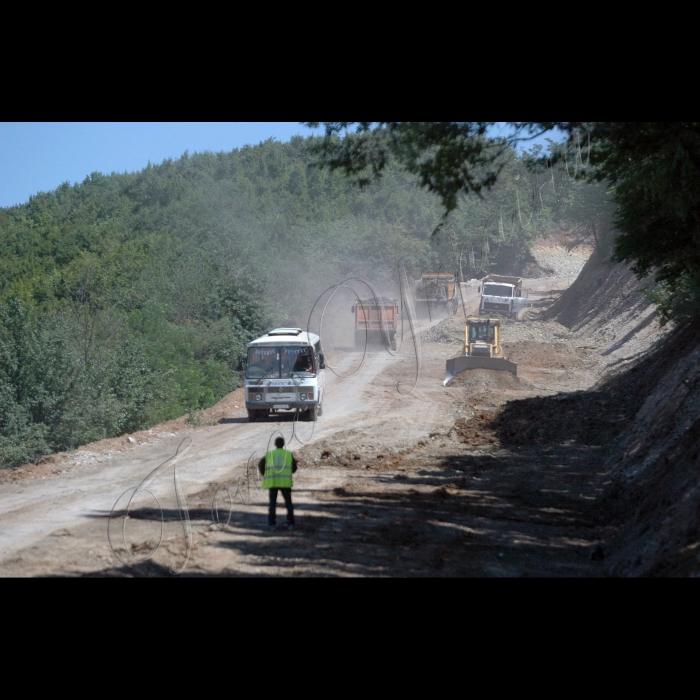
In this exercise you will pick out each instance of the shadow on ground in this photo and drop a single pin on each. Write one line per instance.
(509, 513)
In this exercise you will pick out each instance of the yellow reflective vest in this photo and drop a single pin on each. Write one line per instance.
(278, 470)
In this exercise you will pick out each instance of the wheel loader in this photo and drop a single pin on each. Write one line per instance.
(482, 349)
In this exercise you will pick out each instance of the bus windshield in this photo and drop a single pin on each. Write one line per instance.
(263, 362)
(280, 362)
(297, 361)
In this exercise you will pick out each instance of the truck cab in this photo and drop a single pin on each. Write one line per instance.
(285, 371)
(502, 294)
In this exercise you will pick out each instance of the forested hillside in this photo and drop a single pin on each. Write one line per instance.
(126, 300)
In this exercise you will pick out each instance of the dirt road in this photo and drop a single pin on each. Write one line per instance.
(53, 515)
(389, 484)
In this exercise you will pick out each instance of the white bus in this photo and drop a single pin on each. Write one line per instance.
(285, 371)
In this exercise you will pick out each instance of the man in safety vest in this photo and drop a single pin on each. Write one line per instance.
(277, 467)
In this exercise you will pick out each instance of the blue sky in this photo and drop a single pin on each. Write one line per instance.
(39, 156)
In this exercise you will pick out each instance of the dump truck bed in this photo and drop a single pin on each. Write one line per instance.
(370, 315)
(504, 279)
(436, 286)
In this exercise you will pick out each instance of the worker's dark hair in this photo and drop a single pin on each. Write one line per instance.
(279, 442)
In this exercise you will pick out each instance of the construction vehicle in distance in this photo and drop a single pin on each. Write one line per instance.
(503, 295)
(482, 349)
(436, 294)
(376, 321)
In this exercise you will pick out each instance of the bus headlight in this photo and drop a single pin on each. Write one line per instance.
(302, 397)
(258, 397)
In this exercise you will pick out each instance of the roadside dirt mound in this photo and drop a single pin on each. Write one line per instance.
(655, 466)
(557, 260)
(484, 388)
(449, 331)
(476, 431)
(646, 417)
(596, 416)
(606, 302)
(590, 418)
(533, 269)
(494, 380)
(554, 355)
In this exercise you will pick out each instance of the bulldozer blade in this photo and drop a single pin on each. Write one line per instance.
(460, 364)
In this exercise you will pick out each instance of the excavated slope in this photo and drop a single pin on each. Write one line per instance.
(653, 464)
(606, 303)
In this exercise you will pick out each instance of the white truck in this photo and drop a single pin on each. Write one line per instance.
(285, 371)
(502, 295)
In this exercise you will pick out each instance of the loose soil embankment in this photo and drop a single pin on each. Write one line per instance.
(654, 497)
(645, 413)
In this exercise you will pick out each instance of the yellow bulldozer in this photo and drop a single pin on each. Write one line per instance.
(482, 349)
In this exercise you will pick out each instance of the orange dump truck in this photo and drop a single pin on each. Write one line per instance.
(376, 320)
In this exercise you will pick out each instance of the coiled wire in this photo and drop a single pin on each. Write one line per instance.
(180, 452)
(407, 311)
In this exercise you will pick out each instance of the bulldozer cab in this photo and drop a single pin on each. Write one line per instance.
(483, 337)
(484, 331)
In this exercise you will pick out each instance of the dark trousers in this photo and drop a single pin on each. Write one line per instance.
(272, 516)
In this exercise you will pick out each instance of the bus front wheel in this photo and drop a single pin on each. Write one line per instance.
(312, 413)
